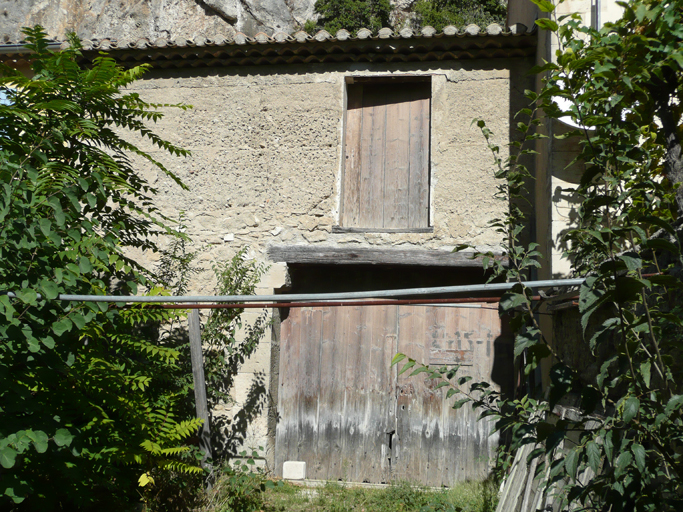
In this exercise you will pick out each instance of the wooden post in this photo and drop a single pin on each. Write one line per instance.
(199, 383)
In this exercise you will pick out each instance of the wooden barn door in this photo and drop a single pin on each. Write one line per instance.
(343, 410)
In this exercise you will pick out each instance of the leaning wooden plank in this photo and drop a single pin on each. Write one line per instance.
(369, 256)
(201, 404)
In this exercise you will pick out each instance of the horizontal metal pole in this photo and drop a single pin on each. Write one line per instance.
(159, 299)
(472, 302)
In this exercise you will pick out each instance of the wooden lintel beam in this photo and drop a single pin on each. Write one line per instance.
(301, 254)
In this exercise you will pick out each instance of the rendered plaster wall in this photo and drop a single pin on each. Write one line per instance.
(266, 169)
(556, 174)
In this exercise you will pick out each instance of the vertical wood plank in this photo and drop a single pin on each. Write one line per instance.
(288, 427)
(397, 165)
(309, 390)
(418, 203)
(352, 408)
(373, 139)
(454, 447)
(350, 206)
(433, 463)
(332, 356)
(385, 332)
(410, 415)
(376, 391)
(367, 459)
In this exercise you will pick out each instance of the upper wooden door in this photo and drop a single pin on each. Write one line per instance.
(344, 411)
(386, 156)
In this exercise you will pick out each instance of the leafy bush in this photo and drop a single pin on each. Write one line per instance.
(621, 446)
(227, 343)
(84, 411)
(241, 486)
(351, 15)
(460, 13)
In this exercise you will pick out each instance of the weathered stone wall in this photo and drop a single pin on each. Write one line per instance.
(266, 147)
(266, 163)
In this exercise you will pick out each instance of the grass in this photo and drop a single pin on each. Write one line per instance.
(338, 497)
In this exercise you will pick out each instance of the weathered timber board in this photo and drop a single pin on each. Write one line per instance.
(344, 411)
(301, 254)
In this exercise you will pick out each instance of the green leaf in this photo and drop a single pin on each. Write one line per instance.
(63, 437)
(407, 367)
(398, 358)
(39, 439)
(628, 288)
(639, 454)
(511, 300)
(27, 295)
(459, 403)
(49, 342)
(78, 320)
(609, 445)
(544, 5)
(632, 260)
(659, 222)
(547, 24)
(623, 462)
(84, 265)
(571, 462)
(9, 492)
(662, 245)
(49, 289)
(631, 408)
(645, 372)
(593, 455)
(7, 457)
(62, 326)
(674, 404)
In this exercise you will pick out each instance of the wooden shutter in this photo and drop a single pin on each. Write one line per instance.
(386, 173)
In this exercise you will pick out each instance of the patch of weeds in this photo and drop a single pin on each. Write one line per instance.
(240, 487)
(398, 497)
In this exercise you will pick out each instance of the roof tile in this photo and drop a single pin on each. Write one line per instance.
(385, 33)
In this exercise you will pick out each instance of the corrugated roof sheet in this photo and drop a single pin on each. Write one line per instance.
(405, 45)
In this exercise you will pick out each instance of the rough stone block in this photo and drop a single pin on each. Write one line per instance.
(294, 470)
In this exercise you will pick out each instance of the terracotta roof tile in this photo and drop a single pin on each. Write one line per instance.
(406, 45)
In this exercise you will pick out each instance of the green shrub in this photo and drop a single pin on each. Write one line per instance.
(85, 412)
(460, 13)
(351, 15)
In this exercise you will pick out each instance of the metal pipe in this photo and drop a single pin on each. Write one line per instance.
(316, 296)
(462, 301)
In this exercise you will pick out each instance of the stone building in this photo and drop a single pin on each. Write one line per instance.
(347, 163)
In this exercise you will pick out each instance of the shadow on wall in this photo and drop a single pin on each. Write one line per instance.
(229, 432)
(222, 362)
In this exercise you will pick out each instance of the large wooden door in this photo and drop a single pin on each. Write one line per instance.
(345, 412)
